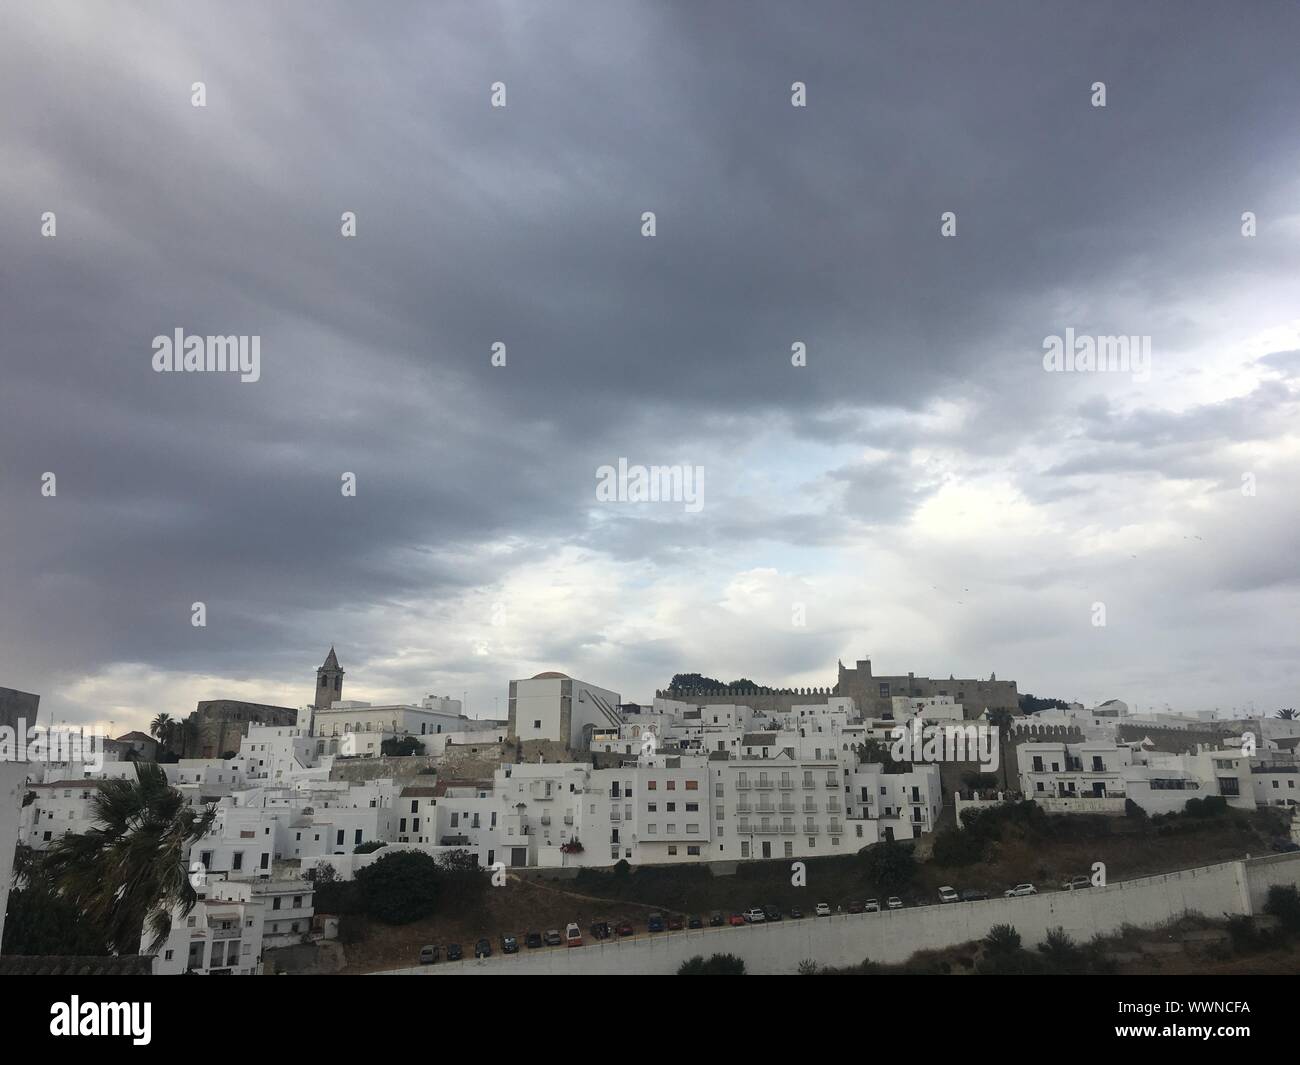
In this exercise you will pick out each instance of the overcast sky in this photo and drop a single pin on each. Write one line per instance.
(922, 491)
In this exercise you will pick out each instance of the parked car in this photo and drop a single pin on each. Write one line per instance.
(1020, 890)
(533, 940)
(736, 920)
(625, 928)
(600, 930)
(1285, 846)
(974, 895)
(823, 909)
(675, 923)
(772, 913)
(894, 902)
(454, 952)
(509, 945)
(755, 915)
(573, 934)
(655, 923)
(429, 955)
(482, 949)
(716, 920)
(947, 894)
(795, 914)
(1077, 882)
(695, 921)
(873, 906)
(553, 937)
(855, 907)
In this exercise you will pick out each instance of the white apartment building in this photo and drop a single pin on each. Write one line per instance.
(553, 706)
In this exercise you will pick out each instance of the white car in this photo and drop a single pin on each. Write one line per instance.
(823, 909)
(894, 902)
(947, 894)
(872, 906)
(1020, 890)
(755, 915)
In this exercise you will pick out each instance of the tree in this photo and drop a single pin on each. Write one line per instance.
(403, 748)
(130, 871)
(369, 847)
(1288, 713)
(163, 727)
(717, 965)
(401, 887)
(890, 866)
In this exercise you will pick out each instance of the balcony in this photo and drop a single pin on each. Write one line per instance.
(764, 830)
(742, 785)
(810, 807)
(832, 782)
(744, 808)
(615, 815)
(786, 785)
(787, 808)
(764, 785)
(811, 830)
(767, 808)
(546, 819)
(568, 819)
(788, 830)
(835, 829)
(809, 783)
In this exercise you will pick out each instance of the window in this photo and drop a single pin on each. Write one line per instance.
(692, 785)
(693, 850)
(672, 850)
(672, 785)
(652, 785)
(537, 723)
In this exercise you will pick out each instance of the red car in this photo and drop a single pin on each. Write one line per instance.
(736, 920)
(625, 928)
(674, 924)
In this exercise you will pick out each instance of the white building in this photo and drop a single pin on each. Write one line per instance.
(552, 706)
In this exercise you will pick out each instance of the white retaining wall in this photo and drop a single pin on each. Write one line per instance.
(847, 939)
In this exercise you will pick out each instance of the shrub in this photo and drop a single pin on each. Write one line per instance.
(890, 866)
(717, 965)
(401, 887)
(369, 847)
(953, 847)
(1284, 904)
(1002, 939)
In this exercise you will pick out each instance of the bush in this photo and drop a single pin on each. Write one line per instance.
(1132, 809)
(401, 887)
(953, 847)
(369, 847)
(1284, 904)
(890, 866)
(717, 965)
(1210, 806)
(1002, 939)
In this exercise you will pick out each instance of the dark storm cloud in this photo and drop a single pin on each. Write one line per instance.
(521, 225)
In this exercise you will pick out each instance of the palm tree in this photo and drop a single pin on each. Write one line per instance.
(163, 727)
(1288, 714)
(130, 869)
(1001, 719)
